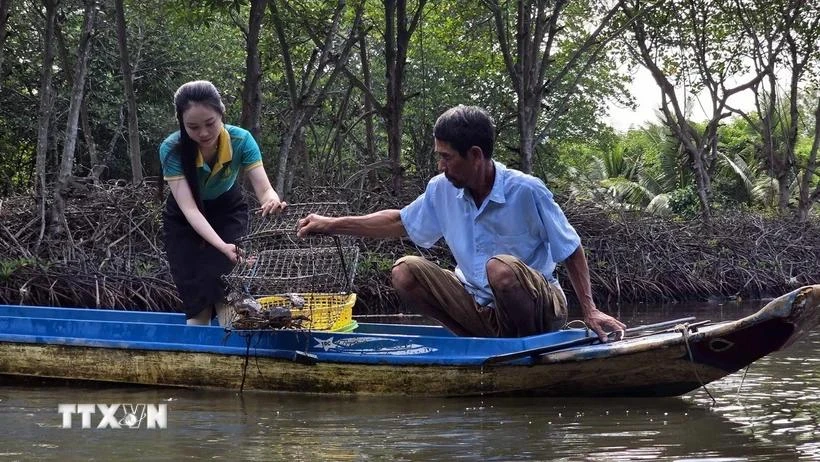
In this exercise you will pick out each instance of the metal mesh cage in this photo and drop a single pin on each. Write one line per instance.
(284, 224)
(319, 269)
(279, 262)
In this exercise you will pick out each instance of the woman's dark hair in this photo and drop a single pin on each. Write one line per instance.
(464, 127)
(200, 92)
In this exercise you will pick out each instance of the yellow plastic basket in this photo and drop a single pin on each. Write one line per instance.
(332, 312)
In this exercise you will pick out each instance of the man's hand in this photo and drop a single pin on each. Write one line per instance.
(602, 324)
(313, 224)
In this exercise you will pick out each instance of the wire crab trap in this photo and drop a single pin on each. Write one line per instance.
(283, 225)
(319, 269)
(290, 282)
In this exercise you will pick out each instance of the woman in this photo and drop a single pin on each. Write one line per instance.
(206, 213)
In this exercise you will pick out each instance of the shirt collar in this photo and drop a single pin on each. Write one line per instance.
(497, 193)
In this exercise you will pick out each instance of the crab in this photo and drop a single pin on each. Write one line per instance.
(249, 314)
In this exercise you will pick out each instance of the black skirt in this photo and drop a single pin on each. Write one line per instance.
(196, 266)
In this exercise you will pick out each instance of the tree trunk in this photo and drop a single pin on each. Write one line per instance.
(88, 137)
(530, 64)
(701, 147)
(339, 132)
(703, 182)
(4, 16)
(298, 152)
(790, 135)
(394, 101)
(77, 92)
(528, 61)
(807, 197)
(284, 152)
(85, 122)
(134, 152)
(776, 154)
(394, 131)
(398, 31)
(802, 41)
(44, 114)
(776, 127)
(369, 133)
(251, 91)
(290, 79)
(693, 144)
(317, 78)
(675, 119)
(527, 120)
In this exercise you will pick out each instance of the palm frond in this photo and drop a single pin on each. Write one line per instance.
(740, 171)
(659, 205)
(627, 191)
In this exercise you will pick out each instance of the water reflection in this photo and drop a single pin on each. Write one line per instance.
(772, 416)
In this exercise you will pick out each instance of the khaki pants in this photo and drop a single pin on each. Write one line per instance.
(455, 308)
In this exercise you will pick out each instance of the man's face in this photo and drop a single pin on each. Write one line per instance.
(456, 168)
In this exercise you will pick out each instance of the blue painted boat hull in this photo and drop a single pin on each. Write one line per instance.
(159, 349)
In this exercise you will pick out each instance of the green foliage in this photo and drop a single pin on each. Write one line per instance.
(576, 107)
(453, 58)
(684, 202)
(375, 262)
(19, 85)
(634, 170)
(9, 266)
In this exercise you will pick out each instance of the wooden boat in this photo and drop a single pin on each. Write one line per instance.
(158, 349)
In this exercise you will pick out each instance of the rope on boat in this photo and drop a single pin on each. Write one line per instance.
(684, 330)
(248, 336)
(583, 325)
(245, 362)
(743, 379)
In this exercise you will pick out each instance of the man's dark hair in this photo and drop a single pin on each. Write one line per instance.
(464, 127)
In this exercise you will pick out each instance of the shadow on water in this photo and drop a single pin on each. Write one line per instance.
(773, 417)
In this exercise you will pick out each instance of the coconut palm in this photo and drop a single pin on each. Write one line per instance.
(637, 173)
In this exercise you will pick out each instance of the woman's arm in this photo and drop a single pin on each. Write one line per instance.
(268, 199)
(185, 199)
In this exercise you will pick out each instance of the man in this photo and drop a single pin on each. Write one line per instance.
(505, 231)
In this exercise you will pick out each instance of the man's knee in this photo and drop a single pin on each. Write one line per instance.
(401, 275)
(500, 274)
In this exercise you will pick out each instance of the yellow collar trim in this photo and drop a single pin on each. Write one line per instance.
(224, 152)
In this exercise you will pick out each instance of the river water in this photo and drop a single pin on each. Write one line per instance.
(769, 412)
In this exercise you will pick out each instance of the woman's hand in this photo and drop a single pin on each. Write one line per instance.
(267, 196)
(272, 205)
(231, 251)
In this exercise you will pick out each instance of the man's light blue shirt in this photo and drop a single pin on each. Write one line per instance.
(519, 218)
